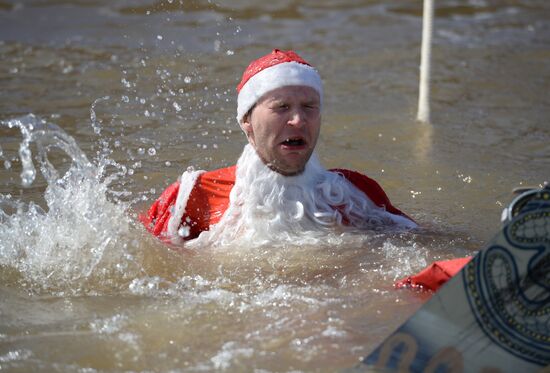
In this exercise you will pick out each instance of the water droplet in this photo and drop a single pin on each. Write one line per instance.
(176, 106)
(67, 69)
(168, 163)
(183, 231)
(125, 83)
(7, 164)
(230, 52)
(159, 37)
(141, 151)
(414, 194)
(187, 79)
(152, 151)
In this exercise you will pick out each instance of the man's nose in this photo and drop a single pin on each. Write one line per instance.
(297, 118)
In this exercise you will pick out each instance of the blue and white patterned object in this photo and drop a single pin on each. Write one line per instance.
(494, 316)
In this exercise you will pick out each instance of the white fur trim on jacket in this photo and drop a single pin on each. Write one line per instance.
(187, 183)
(281, 75)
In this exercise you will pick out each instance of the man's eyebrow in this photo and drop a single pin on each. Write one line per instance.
(312, 101)
(276, 99)
(282, 99)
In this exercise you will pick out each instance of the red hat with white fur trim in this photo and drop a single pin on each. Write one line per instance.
(274, 70)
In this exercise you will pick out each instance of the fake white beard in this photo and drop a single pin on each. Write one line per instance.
(269, 208)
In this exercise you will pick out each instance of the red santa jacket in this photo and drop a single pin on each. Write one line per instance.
(209, 199)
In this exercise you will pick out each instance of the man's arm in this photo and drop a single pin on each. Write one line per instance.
(166, 215)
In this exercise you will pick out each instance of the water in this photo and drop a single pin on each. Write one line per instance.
(123, 97)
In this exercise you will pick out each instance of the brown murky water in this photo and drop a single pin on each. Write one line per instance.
(83, 288)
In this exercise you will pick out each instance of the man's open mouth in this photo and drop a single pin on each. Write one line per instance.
(294, 141)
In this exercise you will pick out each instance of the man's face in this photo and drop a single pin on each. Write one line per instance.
(284, 126)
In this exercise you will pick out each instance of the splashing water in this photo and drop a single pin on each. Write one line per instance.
(297, 297)
(80, 231)
(84, 239)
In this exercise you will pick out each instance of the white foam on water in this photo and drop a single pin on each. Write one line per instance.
(15, 355)
(285, 295)
(402, 261)
(333, 332)
(109, 325)
(81, 234)
(84, 241)
(230, 351)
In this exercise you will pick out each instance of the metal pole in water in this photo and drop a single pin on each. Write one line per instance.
(425, 60)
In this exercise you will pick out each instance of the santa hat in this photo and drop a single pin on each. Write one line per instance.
(274, 70)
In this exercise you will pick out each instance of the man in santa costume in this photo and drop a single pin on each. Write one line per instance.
(278, 190)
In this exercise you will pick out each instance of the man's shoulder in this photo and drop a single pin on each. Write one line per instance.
(371, 188)
(355, 177)
(213, 187)
(365, 184)
(222, 176)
